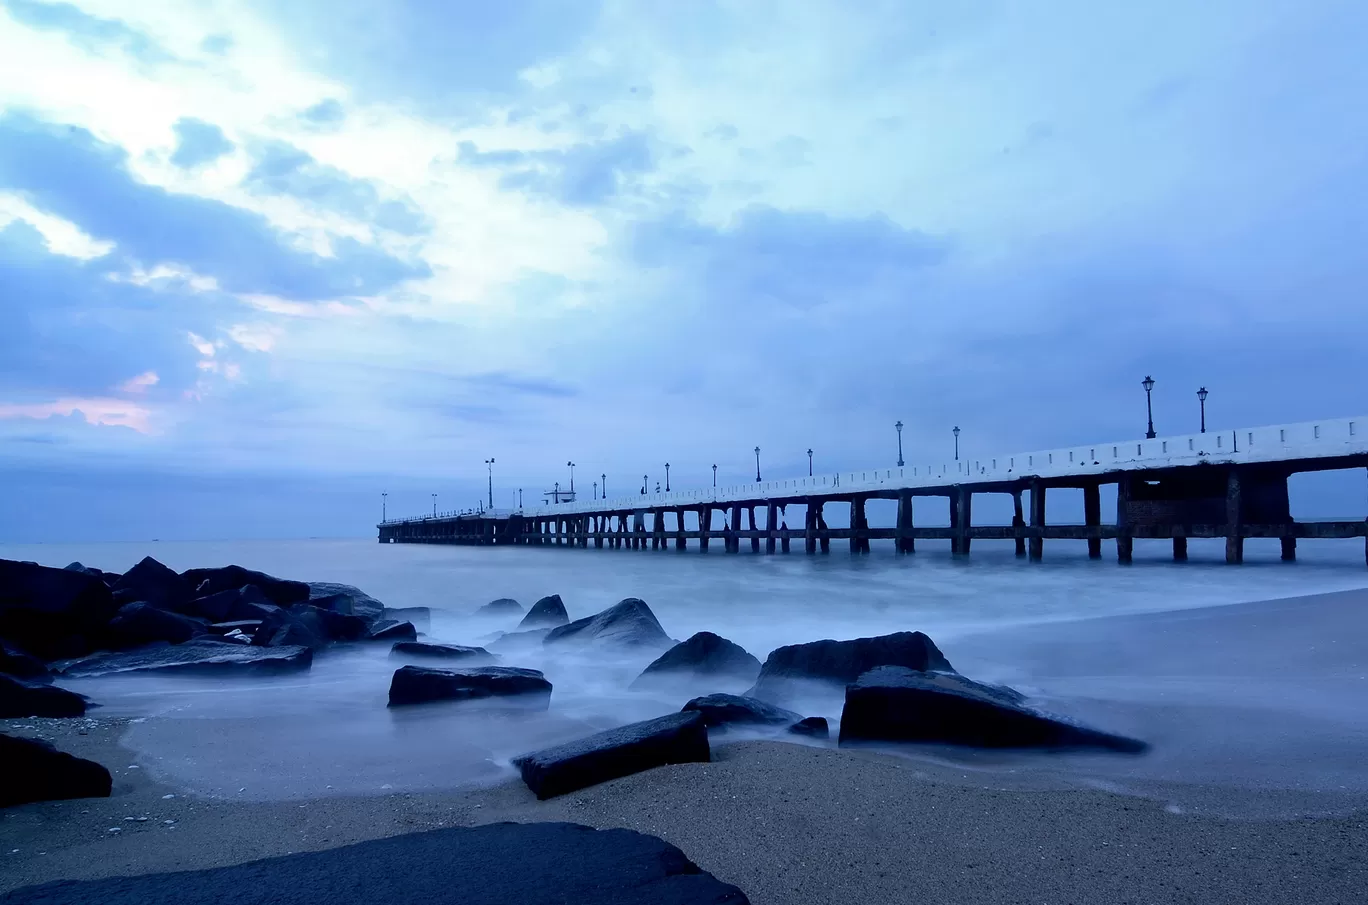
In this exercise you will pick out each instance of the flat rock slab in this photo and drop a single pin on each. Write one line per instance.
(893, 703)
(497, 864)
(393, 630)
(425, 684)
(724, 709)
(36, 771)
(193, 656)
(430, 651)
(679, 738)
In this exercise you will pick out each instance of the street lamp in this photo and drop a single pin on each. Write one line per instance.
(1201, 398)
(644, 484)
(757, 465)
(556, 492)
(434, 505)
(956, 433)
(667, 477)
(714, 477)
(900, 458)
(596, 490)
(519, 499)
(1148, 384)
(384, 502)
(603, 478)
(572, 477)
(809, 461)
(490, 464)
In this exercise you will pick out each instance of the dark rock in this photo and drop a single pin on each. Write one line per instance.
(678, 738)
(548, 612)
(17, 663)
(301, 625)
(812, 726)
(136, 624)
(842, 662)
(153, 583)
(725, 709)
(18, 699)
(341, 626)
(516, 640)
(249, 602)
(441, 651)
(705, 655)
(482, 865)
(221, 607)
(629, 623)
(36, 771)
(422, 684)
(52, 612)
(192, 656)
(393, 630)
(278, 591)
(246, 626)
(504, 606)
(419, 616)
(353, 601)
(894, 703)
(76, 567)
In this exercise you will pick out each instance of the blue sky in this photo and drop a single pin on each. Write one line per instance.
(256, 259)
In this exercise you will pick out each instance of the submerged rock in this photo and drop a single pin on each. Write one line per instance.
(547, 612)
(393, 630)
(36, 771)
(735, 709)
(842, 662)
(193, 656)
(704, 655)
(629, 623)
(811, 726)
(678, 738)
(21, 699)
(504, 606)
(441, 651)
(424, 684)
(279, 591)
(894, 703)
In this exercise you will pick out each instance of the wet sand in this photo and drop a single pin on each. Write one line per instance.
(795, 824)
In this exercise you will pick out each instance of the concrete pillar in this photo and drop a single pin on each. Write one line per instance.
(1125, 544)
(1234, 519)
(823, 533)
(856, 514)
(1289, 549)
(810, 528)
(599, 525)
(1180, 549)
(905, 543)
(704, 527)
(1092, 517)
(755, 536)
(1018, 522)
(1037, 543)
(964, 508)
(680, 541)
(771, 526)
(734, 541)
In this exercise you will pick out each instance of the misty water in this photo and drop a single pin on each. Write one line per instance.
(1266, 705)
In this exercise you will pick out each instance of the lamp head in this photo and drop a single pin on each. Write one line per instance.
(1147, 383)
(1202, 394)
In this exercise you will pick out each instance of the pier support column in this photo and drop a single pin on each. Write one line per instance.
(1037, 543)
(856, 512)
(823, 532)
(1289, 549)
(1092, 517)
(600, 525)
(755, 531)
(734, 538)
(704, 527)
(905, 542)
(1234, 520)
(1180, 549)
(771, 526)
(680, 542)
(1125, 544)
(1019, 523)
(961, 519)
(810, 528)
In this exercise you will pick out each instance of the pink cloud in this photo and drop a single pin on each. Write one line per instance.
(95, 410)
(140, 383)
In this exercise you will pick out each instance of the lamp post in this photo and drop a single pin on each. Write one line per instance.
(1148, 384)
(757, 465)
(603, 479)
(714, 477)
(645, 482)
(667, 477)
(384, 503)
(900, 458)
(809, 461)
(556, 492)
(1201, 399)
(956, 433)
(489, 463)
(519, 499)
(434, 505)
(572, 477)
(596, 490)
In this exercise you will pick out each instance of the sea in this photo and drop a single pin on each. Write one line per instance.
(1252, 710)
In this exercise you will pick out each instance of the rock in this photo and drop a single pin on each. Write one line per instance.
(517, 640)
(735, 709)
(548, 612)
(494, 864)
(419, 616)
(704, 655)
(20, 699)
(221, 606)
(52, 612)
(342, 626)
(678, 738)
(21, 665)
(422, 684)
(894, 703)
(192, 656)
(36, 771)
(393, 630)
(249, 602)
(277, 590)
(141, 623)
(343, 598)
(155, 584)
(629, 623)
(244, 626)
(842, 662)
(504, 606)
(441, 651)
(811, 726)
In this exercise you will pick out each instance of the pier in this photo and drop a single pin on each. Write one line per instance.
(1231, 484)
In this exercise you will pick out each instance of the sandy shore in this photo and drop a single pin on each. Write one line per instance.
(796, 824)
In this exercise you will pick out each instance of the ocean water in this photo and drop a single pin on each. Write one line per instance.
(1250, 704)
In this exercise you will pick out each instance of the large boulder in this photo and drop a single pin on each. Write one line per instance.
(812, 727)
(897, 704)
(393, 630)
(16, 662)
(36, 771)
(20, 699)
(420, 617)
(339, 626)
(153, 583)
(734, 709)
(424, 684)
(678, 738)
(248, 602)
(343, 598)
(494, 864)
(703, 656)
(504, 606)
(842, 662)
(548, 612)
(278, 590)
(52, 612)
(627, 624)
(426, 651)
(136, 624)
(212, 657)
(309, 626)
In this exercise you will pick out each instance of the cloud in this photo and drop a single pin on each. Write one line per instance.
(255, 337)
(530, 386)
(87, 30)
(62, 237)
(140, 383)
(198, 143)
(325, 113)
(99, 410)
(585, 174)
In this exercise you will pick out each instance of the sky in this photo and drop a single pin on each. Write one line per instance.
(261, 262)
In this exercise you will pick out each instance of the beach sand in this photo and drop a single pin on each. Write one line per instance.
(791, 823)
